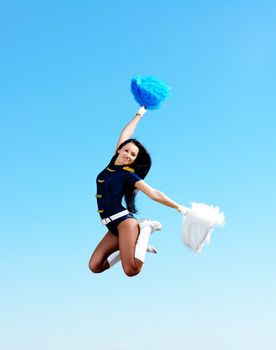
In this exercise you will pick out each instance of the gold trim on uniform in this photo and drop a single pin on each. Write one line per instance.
(127, 168)
(99, 195)
(100, 181)
(111, 170)
(100, 211)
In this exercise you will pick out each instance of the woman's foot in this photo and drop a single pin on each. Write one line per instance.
(151, 249)
(153, 225)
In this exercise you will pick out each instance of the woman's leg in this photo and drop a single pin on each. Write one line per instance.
(128, 234)
(133, 243)
(98, 261)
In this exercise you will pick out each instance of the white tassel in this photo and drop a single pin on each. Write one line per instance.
(199, 224)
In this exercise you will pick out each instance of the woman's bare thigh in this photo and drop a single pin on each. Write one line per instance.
(128, 234)
(108, 245)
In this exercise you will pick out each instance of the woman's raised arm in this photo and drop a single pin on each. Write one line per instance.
(129, 129)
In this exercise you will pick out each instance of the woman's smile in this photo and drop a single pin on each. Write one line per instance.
(127, 154)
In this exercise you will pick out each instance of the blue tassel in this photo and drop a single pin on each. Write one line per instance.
(149, 91)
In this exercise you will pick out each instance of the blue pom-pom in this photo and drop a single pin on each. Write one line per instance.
(149, 91)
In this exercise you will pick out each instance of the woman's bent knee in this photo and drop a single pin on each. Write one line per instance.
(95, 267)
(92, 267)
(131, 271)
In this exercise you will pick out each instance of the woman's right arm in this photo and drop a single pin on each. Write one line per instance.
(129, 129)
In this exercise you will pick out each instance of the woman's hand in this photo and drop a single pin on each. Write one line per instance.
(141, 111)
(183, 210)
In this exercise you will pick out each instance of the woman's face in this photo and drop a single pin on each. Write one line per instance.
(127, 154)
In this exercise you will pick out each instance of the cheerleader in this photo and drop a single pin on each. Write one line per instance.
(127, 238)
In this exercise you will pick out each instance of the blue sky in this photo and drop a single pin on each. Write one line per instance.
(65, 74)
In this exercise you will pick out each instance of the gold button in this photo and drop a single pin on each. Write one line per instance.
(111, 170)
(99, 195)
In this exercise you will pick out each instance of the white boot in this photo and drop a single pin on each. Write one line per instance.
(115, 257)
(146, 228)
(151, 249)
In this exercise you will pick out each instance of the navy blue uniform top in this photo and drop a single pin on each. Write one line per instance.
(112, 183)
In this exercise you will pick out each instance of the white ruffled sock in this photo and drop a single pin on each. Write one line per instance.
(115, 257)
(146, 228)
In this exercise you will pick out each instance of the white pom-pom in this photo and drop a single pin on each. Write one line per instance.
(199, 224)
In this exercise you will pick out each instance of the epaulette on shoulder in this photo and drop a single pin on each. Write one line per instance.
(127, 168)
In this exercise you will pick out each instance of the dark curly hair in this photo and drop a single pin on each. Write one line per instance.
(141, 166)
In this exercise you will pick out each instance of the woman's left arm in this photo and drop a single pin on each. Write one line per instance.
(159, 196)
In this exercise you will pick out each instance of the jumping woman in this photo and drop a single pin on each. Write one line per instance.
(127, 239)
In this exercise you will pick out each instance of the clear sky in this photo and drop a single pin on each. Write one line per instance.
(65, 75)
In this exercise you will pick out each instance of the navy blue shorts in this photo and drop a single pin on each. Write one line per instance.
(113, 225)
